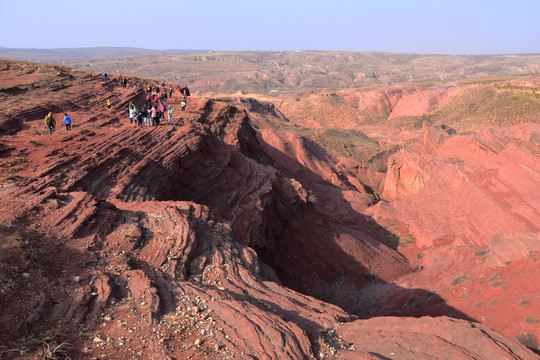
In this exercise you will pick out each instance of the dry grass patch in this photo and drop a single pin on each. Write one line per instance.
(459, 280)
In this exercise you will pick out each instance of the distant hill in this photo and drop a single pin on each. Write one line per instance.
(272, 73)
(55, 56)
(188, 50)
(278, 72)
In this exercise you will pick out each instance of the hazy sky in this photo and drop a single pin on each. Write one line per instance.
(406, 26)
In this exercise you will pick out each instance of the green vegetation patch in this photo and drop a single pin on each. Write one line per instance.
(459, 280)
(498, 283)
(531, 320)
(481, 252)
(528, 339)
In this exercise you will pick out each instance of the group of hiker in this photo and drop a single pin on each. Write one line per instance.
(162, 95)
(148, 114)
(154, 109)
(122, 80)
(51, 122)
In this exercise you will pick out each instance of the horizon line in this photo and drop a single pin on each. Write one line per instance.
(263, 51)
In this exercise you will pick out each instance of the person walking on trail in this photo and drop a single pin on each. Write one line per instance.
(169, 112)
(51, 123)
(143, 114)
(153, 114)
(162, 108)
(146, 116)
(132, 114)
(109, 103)
(67, 121)
(105, 76)
(135, 114)
(183, 105)
(161, 112)
(170, 92)
(139, 118)
(149, 116)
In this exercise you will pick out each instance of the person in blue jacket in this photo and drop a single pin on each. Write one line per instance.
(67, 121)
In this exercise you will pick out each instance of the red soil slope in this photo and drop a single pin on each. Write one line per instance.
(348, 108)
(146, 242)
(469, 205)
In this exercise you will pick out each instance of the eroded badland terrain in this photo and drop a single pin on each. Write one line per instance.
(379, 222)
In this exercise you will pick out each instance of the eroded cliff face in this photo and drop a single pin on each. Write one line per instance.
(177, 241)
(409, 168)
(467, 208)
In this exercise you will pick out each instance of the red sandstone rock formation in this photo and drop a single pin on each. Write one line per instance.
(147, 242)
